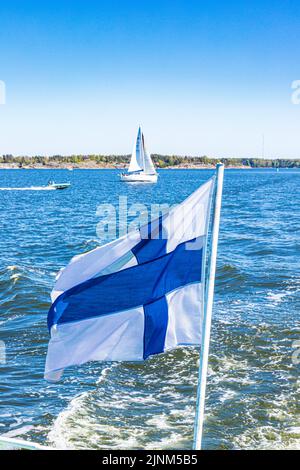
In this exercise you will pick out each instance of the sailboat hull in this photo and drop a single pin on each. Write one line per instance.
(138, 178)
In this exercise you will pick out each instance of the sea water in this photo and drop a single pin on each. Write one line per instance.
(253, 391)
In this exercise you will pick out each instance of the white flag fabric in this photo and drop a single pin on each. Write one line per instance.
(137, 296)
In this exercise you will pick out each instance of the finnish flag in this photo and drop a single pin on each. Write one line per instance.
(137, 296)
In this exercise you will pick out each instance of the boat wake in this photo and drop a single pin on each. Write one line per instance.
(30, 188)
(152, 405)
(132, 406)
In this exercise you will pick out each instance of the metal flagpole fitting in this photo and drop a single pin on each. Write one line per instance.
(208, 304)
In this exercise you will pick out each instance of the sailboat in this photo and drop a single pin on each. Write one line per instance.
(141, 168)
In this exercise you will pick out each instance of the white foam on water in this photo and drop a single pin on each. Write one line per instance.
(227, 395)
(13, 267)
(15, 278)
(126, 413)
(77, 428)
(173, 440)
(30, 188)
(63, 433)
(294, 430)
(278, 297)
(268, 438)
(161, 422)
(59, 436)
(18, 431)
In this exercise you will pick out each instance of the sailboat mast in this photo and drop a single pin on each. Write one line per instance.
(143, 149)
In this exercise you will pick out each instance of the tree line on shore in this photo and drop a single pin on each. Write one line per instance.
(161, 161)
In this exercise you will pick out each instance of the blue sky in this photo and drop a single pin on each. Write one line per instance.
(201, 77)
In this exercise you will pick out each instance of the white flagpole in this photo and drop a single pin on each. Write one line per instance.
(200, 407)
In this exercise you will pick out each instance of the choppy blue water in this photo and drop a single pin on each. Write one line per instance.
(253, 386)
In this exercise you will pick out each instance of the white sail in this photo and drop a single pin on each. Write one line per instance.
(137, 157)
(148, 163)
(140, 159)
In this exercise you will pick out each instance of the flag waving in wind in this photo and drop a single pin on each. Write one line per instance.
(139, 295)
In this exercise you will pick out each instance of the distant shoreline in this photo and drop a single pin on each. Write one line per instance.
(111, 167)
(121, 162)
